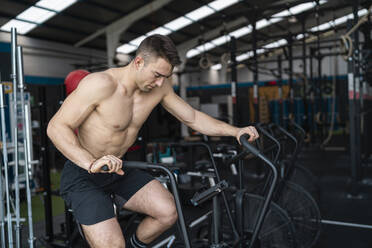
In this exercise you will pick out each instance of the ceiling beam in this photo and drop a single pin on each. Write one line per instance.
(211, 34)
(123, 23)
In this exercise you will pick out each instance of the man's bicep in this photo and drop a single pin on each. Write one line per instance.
(83, 100)
(179, 108)
(74, 110)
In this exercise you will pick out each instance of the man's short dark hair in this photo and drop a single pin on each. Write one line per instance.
(159, 46)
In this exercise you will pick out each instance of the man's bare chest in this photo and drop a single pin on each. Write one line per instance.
(119, 113)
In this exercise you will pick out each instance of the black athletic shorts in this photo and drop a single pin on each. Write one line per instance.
(89, 194)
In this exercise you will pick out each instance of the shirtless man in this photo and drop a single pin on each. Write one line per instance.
(108, 108)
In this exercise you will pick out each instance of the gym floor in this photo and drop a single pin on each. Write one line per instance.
(339, 200)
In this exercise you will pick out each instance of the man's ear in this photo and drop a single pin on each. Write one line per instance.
(139, 62)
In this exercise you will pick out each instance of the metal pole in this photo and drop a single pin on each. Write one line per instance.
(319, 83)
(2, 213)
(255, 71)
(44, 150)
(15, 126)
(290, 65)
(304, 68)
(348, 224)
(26, 144)
(280, 91)
(234, 79)
(357, 93)
(312, 95)
(351, 91)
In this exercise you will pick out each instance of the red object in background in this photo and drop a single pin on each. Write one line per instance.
(272, 83)
(73, 79)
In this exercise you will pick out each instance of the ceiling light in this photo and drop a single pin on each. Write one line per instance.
(200, 13)
(301, 8)
(36, 15)
(206, 46)
(262, 23)
(191, 17)
(178, 23)
(126, 48)
(222, 4)
(137, 41)
(241, 31)
(192, 52)
(221, 40)
(281, 14)
(159, 30)
(242, 57)
(21, 26)
(56, 5)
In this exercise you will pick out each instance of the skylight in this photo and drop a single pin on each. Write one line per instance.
(222, 4)
(337, 21)
(127, 48)
(160, 30)
(185, 20)
(138, 40)
(221, 40)
(37, 14)
(262, 24)
(206, 46)
(56, 5)
(275, 44)
(192, 52)
(302, 7)
(178, 23)
(22, 27)
(241, 32)
(244, 56)
(200, 13)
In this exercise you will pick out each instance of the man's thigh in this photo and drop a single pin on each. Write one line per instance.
(91, 207)
(130, 185)
(151, 199)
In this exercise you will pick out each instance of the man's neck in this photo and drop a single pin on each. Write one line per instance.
(126, 78)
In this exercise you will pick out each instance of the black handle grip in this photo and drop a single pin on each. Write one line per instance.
(244, 141)
(130, 164)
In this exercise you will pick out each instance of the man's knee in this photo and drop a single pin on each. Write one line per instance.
(114, 243)
(167, 214)
(105, 234)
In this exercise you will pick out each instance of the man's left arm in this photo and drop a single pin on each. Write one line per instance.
(200, 121)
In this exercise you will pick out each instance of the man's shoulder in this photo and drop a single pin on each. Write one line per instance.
(99, 80)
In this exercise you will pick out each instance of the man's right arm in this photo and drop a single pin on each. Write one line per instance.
(93, 89)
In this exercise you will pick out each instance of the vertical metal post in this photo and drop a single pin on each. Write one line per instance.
(3, 134)
(351, 91)
(49, 233)
(319, 83)
(312, 96)
(255, 72)
(26, 144)
(15, 126)
(356, 58)
(290, 65)
(280, 91)
(234, 80)
(304, 69)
